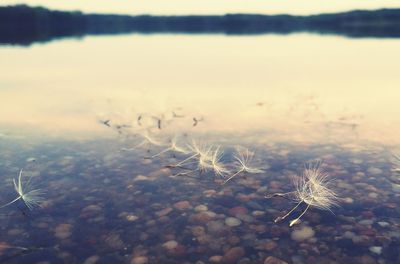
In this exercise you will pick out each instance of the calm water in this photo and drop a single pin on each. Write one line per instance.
(83, 118)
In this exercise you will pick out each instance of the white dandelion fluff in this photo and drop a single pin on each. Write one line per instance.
(314, 189)
(243, 161)
(31, 197)
(173, 147)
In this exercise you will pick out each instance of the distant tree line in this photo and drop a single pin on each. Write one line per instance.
(22, 24)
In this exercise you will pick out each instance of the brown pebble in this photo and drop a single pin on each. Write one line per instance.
(273, 260)
(182, 205)
(233, 255)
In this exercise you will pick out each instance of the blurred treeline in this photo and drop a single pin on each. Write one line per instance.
(24, 25)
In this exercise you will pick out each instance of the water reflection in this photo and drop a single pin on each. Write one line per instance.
(235, 83)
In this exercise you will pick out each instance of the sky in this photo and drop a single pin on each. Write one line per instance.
(176, 7)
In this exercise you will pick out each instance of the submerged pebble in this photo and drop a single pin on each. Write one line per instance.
(201, 208)
(170, 245)
(233, 255)
(63, 231)
(302, 233)
(376, 250)
(232, 221)
(140, 260)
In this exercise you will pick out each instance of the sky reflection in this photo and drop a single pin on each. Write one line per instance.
(297, 87)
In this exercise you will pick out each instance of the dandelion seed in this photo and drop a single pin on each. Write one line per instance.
(216, 164)
(312, 188)
(205, 159)
(201, 152)
(243, 163)
(31, 197)
(174, 147)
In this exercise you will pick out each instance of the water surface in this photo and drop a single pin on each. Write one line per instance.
(290, 99)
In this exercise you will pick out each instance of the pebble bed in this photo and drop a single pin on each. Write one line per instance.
(108, 206)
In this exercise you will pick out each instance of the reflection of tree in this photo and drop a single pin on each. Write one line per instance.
(23, 24)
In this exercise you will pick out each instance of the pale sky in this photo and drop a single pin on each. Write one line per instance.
(171, 7)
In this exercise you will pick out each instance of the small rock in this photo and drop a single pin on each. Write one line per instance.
(201, 208)
(376, 250)
(63, 231)
(170, 245)
(273, 260)
(91, 211)
(232, 221)
(233, 255)
(131, 218)
(348, 200)
(373, 195)
(238, 210)
(92, 259)
(215, 259)
(374, 171)
(198, 231)
(302, 233)
(140, 260)
(383, 224)
(366, 222)
(164, 212)
(182, 205)
(258, 213)
(270, 245)
(200, 218)
(141, 178)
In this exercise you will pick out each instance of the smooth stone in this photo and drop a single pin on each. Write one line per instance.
(366, 222)
(349, 235)
(303, 233)
(383, 224)
(233, 255)
(348, 200)
(232, 221)
(200, 218)
(273, 260)
(91, 211)
(374, 171)
(131, 218)
(63, 231)
(198, 231)
(92, 259)
(215, 226)
(255, 205)
(170, 245)
(238, 210)
(376, 250)
(373, 195)
(258, 213)
(182, 205)
(201, 208)
(270, 245)
(141, 178)
(164, 212)
(210, 214)
(215, 259)
(140, 260)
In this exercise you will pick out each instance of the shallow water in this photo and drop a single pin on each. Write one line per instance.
(107, 202)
